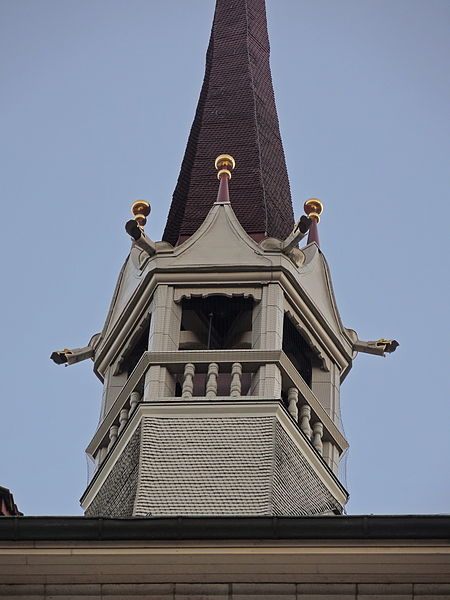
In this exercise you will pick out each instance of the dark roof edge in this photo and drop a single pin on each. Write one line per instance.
(364, 527)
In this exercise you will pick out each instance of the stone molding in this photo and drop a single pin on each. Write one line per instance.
(251, 357)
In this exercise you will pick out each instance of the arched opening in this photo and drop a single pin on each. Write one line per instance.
(216, 323)
(135, 349)
(297, 350)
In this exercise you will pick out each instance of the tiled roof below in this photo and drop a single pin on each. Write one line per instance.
(8, 507)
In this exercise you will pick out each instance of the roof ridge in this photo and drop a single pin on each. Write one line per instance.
(258, 143)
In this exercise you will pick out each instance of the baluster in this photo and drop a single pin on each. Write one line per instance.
(113, 433)
(305, 416)
(101, 454)
(235, 386)
(188, 382)
(135, 398)
(123, 418)
(317, 437)
(211, 383)
(292, 402)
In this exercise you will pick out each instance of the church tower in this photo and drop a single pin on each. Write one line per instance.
(223, 350)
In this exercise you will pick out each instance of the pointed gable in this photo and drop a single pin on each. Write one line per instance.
(236, 114)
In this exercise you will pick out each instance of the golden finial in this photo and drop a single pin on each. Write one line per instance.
(313, 208)
(140, 211)
(224, 164)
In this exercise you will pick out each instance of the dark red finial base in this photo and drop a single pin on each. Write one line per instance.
(223, 195)
(313, 235)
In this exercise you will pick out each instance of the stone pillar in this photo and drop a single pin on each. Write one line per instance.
(166, 319)
(267, 326)
(159, 383)
(164, 336)
(331, 456)
(325, 385)
(267, 382)
(267, 334)
(112, 386)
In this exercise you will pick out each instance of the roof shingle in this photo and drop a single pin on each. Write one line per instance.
(236, 115)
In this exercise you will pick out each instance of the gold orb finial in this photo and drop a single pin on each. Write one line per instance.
(224, 164)
(140, 211)
(313, 208)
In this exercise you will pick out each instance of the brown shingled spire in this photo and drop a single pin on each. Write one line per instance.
(236, 110)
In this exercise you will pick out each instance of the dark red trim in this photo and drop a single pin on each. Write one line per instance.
(313, 235)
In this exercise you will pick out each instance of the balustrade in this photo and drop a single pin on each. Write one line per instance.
(102, 453)
(188, 383)
(113, 433)
(292, 402)
(317, 437)
(305, 419)
(236, 384)
(218, 379)
(211, 380)
(135, 398)
(123, 418)
(119, 424)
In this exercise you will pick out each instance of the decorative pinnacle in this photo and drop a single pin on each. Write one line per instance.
(140, 211)
(224, 164)
(313, 208)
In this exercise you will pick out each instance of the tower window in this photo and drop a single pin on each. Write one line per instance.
(297, 350)
(137, 347)
(216, 323)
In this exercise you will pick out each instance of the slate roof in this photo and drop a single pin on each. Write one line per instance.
(8, 507)
(235, 115)
(225, 466)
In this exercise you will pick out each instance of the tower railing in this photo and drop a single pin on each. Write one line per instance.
(221, 376)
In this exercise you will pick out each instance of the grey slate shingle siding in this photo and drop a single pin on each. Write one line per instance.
(116, 496)
(211, 467)
(225, 466)
(205, 466)
(296, 488)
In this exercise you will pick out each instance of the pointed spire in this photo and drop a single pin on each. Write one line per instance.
(313, 208)
(236, 110)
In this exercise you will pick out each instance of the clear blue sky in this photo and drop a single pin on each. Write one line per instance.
(97, 100)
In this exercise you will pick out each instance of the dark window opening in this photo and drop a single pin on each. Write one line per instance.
(216, 323)
(297, 350)
(138, 346)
